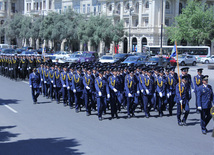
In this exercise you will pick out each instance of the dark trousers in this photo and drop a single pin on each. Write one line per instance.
(57, 93)
(160, 103)
(131, 105)
(77, 97)
(47, 86)
(147, 100)
(88, 101)
(64, 94)
(113, 103)
(35, 94)
(70, 97)
(185, 105)
(15, 73)
(171, 103)
(51, 91)
(100, 105)
(205, 118)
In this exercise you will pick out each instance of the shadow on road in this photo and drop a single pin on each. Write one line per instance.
(9, 101)
(46, 146)
(5, 135)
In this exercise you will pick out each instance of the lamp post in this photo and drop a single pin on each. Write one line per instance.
(130, 11)
(161, 44)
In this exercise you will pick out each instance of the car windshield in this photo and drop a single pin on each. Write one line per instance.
(75, 56)
(107, 57)
(87, 55)
(181, 56)
(153, 59)
(132, 59)
(119, 55)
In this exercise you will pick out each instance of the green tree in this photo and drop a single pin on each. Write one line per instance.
(194, 24)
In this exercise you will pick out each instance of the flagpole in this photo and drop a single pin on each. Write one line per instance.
(179, 79)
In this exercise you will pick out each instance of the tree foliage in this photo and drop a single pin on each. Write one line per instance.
(195, 24)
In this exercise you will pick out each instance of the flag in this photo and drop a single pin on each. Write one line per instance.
(173, 54)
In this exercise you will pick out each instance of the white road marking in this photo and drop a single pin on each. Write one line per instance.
(25, 82)
(7, 106)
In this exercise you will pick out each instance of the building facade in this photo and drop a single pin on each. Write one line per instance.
(7, 9)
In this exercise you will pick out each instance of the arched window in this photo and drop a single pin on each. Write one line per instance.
(127, 6)
(110, 7)
(147, 4)
(180, 8)
(137, 7)
(167, 5)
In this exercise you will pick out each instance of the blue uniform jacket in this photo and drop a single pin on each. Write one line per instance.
(56, 79)
(171, 83)
(88, 80)
(205, 96)
(141, 79)
(114, 82)
(131, 85)
(63, 76)
(161, 85)
(46, 76)
(184, 92)
(101, 85)
(34, 80)
(148, 83)
(77, 83)
(51, 75)
(197, 82)
(69, 79)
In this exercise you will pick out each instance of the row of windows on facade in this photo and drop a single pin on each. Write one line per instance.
(3, 6)
(39, 5)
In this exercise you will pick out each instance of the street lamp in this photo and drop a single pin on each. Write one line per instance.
(130, 11)
(161, 45)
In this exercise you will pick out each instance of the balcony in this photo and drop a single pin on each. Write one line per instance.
(2, 13)
(116, 13)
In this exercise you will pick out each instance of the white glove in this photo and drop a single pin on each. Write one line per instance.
(18, 67)
(108, 95)
(64, 85)
(29, 67)
(193, 90)
(51, 81)
(115, 90)
(30, 86)
(87, 87)
(138, 92)
(147, 91)
(168, 95)
(141, 90)
(199, 108)
(45, 81)
(41, 79)
(54, 86)
(129, 95)
(181, 101)
(74, 90)
(68, 87)
(100, 94)
(160, 94)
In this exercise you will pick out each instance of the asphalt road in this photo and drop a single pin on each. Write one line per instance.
(52, 129)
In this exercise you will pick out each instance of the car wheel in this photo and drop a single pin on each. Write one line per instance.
(194, 63)
(207, 61)
(182, 63)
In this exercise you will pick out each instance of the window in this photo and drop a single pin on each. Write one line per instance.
(167, 5)
(37, 6)
(65, 7)
(1, 7)
(127, 6)
(180, 8)
(95, 10)
(88, 8)
(99, 7)
(40, 6)
(110, 8)
(167, 22)
(44, 6)
(2, 39)
(50, 3)
(5, 6)
(146, 21)
(83, 8)
(147, 4)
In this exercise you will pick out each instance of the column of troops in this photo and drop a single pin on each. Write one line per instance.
(113, 87)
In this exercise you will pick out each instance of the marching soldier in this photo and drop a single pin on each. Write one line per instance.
(132, 93)
(63, 81)
(197, 83)
(15, 62)
(102, 91)
(47, 81)
(23, 67)
(35, 84)
(182, 99)
(69, 78)
(51, 76)
(205, 101)
(57, 84)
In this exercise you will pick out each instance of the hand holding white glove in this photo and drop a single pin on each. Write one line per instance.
(115, 90)
(87, 87)
(68, 87)
(51, 81)
(141, 90)
(54, 86)
(168, 95)
(181, 101)
(41, 79)
(45, 81)
(30, 86)
(100, 94)
(138, 92)
(64, 85)
(160, 94)
(108, 95)
(199, 108)
(129, 95)
(74, 90)
(147, 91)
(193, 90)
